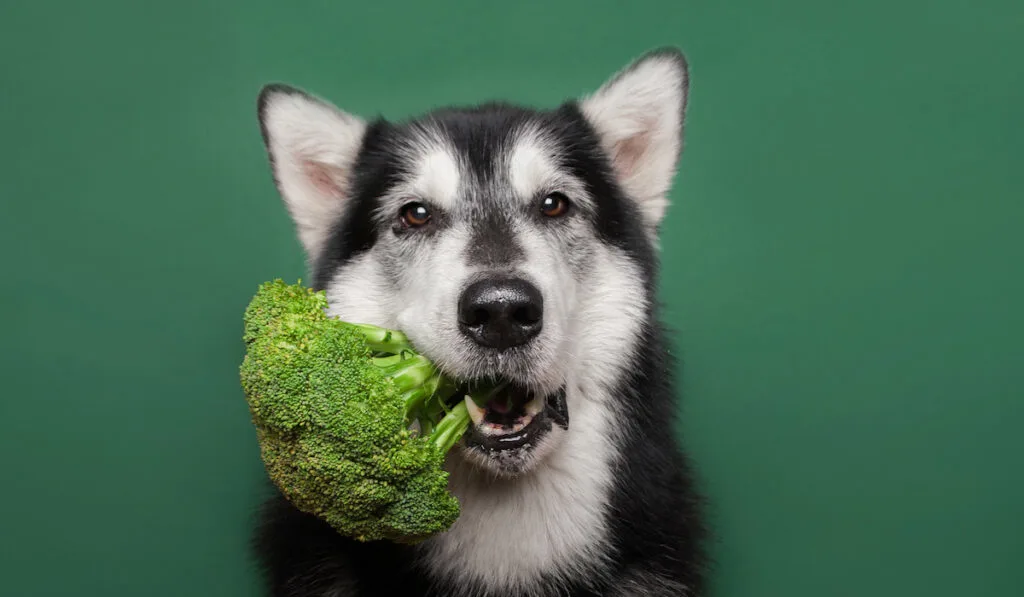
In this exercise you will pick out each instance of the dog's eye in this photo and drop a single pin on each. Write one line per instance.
(415, 215)
(554, 205)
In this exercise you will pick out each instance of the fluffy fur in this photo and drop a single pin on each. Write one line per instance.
(598, 502)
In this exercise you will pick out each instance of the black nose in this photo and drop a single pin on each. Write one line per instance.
(501, 313)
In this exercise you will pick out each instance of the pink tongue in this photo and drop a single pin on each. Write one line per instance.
(499, 406)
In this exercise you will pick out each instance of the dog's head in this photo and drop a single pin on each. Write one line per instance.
(508, 243)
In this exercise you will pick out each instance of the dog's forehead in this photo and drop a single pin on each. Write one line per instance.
(434, 170)
(469, 159)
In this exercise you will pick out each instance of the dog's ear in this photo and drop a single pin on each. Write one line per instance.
(639, 116)
(312, 147)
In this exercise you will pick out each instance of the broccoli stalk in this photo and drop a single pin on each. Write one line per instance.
(352, 422)
(425, 391)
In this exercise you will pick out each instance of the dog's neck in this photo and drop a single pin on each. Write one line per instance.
(547, 524)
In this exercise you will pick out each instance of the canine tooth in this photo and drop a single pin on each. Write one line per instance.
(475, 412)
(534, 406)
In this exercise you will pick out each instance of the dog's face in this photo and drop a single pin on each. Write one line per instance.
(501, 240)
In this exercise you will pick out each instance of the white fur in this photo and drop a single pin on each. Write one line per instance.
(553, 519)
(532, 170)
(430, 290)
(639, 117)
(313, 146)
(359, 294)
(530, 166)
(437, 178)
(546, 268)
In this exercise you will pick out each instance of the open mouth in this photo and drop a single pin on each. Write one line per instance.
(513, 417)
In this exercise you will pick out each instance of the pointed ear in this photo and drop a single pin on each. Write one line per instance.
(312, 147)
(639, 116)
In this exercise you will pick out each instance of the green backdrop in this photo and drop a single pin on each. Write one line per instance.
(844, 263)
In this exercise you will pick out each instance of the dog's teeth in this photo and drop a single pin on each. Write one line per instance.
(475, 412)
(534, 406)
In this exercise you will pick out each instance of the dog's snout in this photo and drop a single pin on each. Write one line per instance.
(501, 313)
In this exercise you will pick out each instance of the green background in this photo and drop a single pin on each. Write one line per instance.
(844, 262)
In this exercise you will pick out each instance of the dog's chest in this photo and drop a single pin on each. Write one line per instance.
(550, 524)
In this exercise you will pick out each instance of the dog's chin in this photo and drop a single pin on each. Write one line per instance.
(515, 431)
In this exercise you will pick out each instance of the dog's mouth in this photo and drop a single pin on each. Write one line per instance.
(513, 417)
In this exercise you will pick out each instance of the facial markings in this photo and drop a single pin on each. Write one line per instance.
(430, 174)
(510, 200)
(535, 170)
(437, 178)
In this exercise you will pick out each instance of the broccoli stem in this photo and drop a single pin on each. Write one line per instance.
(384, 340)
(425, 390)
(411, 372)
(450, 428)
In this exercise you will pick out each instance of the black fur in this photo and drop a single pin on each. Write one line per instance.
(655, 523)
(375, 171)
(491, 245)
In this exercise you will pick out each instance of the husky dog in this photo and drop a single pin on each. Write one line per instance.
(518, 244)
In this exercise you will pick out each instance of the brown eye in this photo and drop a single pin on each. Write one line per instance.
(554, 205)
(415, 215)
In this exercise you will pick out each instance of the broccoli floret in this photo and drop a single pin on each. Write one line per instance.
(353, 424)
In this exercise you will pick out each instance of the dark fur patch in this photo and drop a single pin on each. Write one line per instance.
(492, 245)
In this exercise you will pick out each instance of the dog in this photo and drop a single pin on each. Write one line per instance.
(520, 244)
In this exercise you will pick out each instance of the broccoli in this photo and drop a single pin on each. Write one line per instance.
(353, 424)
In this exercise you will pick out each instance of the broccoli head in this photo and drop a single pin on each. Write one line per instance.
(353, 424)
